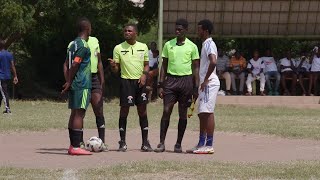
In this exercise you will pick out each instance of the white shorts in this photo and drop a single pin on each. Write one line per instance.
(207, 98)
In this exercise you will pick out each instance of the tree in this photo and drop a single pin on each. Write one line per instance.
(41, 29)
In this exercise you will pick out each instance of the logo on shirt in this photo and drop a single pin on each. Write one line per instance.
(144, 96)
(130, 99)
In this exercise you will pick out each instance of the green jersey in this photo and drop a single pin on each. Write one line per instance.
(131, 59)
(79, 48)
(180, 57)
(93, 44)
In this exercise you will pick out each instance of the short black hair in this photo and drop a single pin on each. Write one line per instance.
(206, 25)
(132, 25)
(183, 22)
(82, 24)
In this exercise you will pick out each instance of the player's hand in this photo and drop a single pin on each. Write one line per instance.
(65, 87)
(160, 92)
(112, 62)
(15, 80)
(204, 85)
(142, 80)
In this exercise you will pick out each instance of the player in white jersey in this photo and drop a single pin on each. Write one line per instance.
(255, 68)
(208, 91)
(315, 71)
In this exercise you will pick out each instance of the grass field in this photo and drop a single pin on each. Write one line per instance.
(279, 121)
(176, 170)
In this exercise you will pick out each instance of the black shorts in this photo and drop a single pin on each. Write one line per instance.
(178, 89)
(96, 85)
(131, 94)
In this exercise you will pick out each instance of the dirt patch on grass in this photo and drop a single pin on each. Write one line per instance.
(49, 149)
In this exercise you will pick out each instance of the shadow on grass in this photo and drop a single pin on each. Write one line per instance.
(55, 151)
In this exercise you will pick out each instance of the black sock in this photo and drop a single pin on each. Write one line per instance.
(75, 137)
(101, 127)
(181, 129)
(163, 130)
(144, 128)
(81, 139)
(70, 135)
(122, 128)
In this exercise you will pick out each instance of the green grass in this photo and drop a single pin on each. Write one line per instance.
(178, 170)
(279, 121)
(22, 173)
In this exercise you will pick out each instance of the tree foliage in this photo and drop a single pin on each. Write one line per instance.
(38, 31)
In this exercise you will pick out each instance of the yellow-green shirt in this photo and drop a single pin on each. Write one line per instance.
(131, 59)
(180, 57)
(93, 44)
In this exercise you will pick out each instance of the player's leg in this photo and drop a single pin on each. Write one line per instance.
(310, 84)
(97, 106)
(293, 83)
(169, 99)
(268, 76)
(78, 103)
(127, 98)
(207, 101)
(315, 85)
(249, 84)
(278, 78)
(262, 84)
(233, 83)
(283, 83)
(227, 77)
(301, 83)
(5, 96)
(141, 101)
(184, 99)
(242, 80)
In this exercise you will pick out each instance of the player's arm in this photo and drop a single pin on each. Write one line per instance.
(100, 71)
(163, 75)
(143, 78)
(115, 62)
(72, 73)
(212, 65)
(65, 69)
(196, 78)
(14, 71)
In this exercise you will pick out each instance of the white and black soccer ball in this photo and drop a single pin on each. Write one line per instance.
(94, 144)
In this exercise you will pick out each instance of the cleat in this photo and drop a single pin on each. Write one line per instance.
(104, 148)
(7, 111)
(177, 148)
(193, 149)
(78, 151)
(204, 150)
(160, 148)
(122, 146)
(146, 147)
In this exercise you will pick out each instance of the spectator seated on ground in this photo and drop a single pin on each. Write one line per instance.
(271, 71)
(255, 72)
(237, 67)
(222, 69)
(287, 67)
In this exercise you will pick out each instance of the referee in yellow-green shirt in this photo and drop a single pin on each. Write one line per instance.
(131, 57)
(179, 81)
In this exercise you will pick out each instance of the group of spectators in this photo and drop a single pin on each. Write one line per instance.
(270, 72)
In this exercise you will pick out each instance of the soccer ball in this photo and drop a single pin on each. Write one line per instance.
(94, 144)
